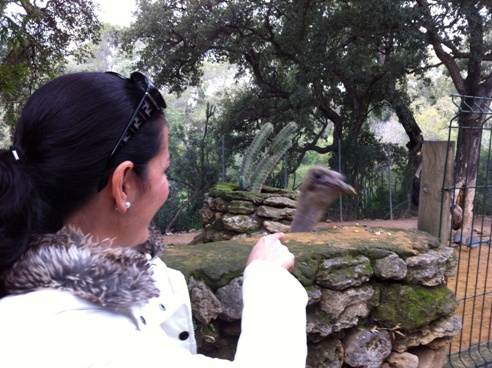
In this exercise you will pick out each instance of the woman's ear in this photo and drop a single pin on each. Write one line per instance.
(121, 185)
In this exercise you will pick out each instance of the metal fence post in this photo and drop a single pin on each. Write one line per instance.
(389, 184)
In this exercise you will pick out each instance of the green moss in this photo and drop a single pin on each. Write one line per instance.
(305, 270)
(412, 306)
(224, 187)
(232, 192)
(215, 263)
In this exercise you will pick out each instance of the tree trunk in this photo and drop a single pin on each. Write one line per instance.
(467, 161)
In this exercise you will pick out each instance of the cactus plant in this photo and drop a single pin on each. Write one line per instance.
(251, 153)
(278, 148)
(283, 137)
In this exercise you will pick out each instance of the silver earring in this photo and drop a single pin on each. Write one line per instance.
(127, 205)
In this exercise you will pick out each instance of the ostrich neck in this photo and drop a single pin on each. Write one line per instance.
(306, 216)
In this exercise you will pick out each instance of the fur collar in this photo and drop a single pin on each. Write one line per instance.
(115, 278)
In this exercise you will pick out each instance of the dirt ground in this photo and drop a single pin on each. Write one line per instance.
(407, 224)
(472, 284)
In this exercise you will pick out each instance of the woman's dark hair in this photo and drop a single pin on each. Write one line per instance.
(63, 140)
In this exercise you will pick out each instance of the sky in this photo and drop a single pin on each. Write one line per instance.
(117, 12)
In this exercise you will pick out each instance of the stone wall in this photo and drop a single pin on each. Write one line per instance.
(229, 213)
(377, 297)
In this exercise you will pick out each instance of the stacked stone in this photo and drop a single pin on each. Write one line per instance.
(229, 213)
(403, 304)
(376, 299)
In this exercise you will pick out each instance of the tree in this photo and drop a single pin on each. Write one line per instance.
(459, 33)
(195, 150)
(35, 41)
(105, 55)
(315, 62)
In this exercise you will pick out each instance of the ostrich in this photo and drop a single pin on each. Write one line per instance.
(318, 191)
(456, 216)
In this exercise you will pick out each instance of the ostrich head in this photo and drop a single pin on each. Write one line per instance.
(318, 191)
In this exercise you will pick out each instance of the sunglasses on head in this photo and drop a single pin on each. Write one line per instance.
(151, 102)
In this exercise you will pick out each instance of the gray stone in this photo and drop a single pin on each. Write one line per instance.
(366, 349)
(280, 202)
(447, 326)
(204, 304)
(207, 201)
(451, 263)
(429, 269)
(213, 235)
(346, 307)
(241, 223)
(275, 213)
(206, 214)
(327, 354)
(231, 299)
(390, 267)
(344, 272)
(402, 360)
(239, 236)
(258, 234)
(275, 227)
(317, 328)
(430, 358)
(314, 296)
(219, 204)
(241, 207)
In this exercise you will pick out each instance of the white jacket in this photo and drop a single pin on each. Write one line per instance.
(54, 328)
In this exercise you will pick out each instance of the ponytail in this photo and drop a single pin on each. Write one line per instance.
(18, 210)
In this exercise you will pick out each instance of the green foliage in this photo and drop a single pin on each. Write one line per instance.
(276, 151)
(195, 160)
(315, 63)
(35, 41)
(5, 140)
(105, 55)
(365, 164)
(483, 195)
(252, 152)
(274, 154)
(329, 66)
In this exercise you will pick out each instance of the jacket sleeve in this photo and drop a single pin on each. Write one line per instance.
(273, 331)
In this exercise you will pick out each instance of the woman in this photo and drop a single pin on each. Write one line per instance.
(81, 285)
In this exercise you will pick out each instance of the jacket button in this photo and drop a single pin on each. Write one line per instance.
(162, 307)
(184, 335)
(143, 320)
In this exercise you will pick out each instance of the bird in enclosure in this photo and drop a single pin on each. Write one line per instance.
(319, 190)
(456, 216)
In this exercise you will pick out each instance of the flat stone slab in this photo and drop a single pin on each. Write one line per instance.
(220, 262)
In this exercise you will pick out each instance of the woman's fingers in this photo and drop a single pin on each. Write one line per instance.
(269, 248)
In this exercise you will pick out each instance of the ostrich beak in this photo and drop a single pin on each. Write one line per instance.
(347, 189)
(352, 191)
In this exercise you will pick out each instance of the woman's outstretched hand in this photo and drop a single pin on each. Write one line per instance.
(269, 248)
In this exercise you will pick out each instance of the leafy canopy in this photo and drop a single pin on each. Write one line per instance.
(36, 38)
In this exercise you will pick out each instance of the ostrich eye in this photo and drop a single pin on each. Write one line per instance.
(318, 176)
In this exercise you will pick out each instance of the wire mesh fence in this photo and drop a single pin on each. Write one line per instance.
(470, 234)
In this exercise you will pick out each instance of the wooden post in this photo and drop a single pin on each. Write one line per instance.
(435, 163)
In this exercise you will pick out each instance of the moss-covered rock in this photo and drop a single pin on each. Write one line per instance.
(351, 283)
(412, 306)
(344, 272)
(230, 192)
(241, 207)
